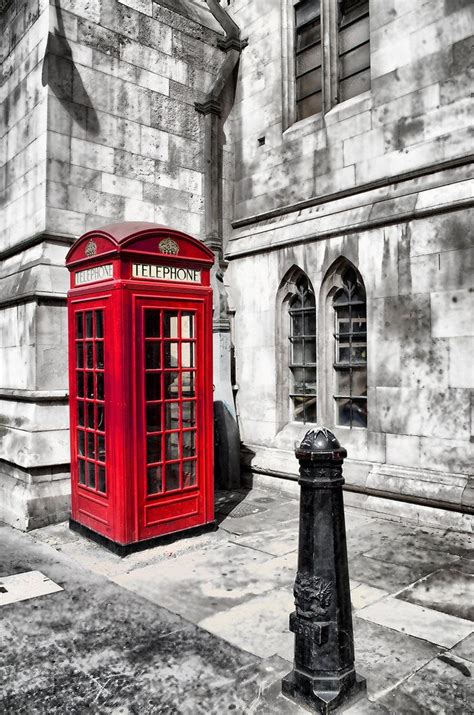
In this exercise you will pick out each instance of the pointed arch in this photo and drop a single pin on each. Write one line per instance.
(343, 323)
(296, 348)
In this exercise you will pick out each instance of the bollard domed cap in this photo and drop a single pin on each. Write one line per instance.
(320, 443)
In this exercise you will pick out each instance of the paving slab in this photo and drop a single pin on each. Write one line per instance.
(438, 688)
(238, 583)
(422, 560)
(363, 595)
(95, 647)
(385, 657)
(433, 626)
(278, 542)
(259, 626)
(198, 584)
(383, 574)
(465, 649)
(446, 590)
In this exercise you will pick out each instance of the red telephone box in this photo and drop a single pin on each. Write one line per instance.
(140, 380)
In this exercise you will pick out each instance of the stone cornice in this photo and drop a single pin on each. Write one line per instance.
(359, 189)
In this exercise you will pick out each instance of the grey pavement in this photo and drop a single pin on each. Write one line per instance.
(201, 625)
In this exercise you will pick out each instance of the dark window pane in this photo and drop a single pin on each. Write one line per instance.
(101, 479)
(152, 323)
(306, 11)
(101, 417)
(308, 83)
(189, 473)
(100, 385)
(310, 381)
(297, 352)
(359, 352)
(172, 477)
(89, 324)
(171, 385)
(153, 418)
(354, 35)
(91, 474)
(343, 325)
(79, 326)
(310, 410)
(99, 323)
(79, 355)
(90, 415)
(81, 444)
(297, 324)
(351, 10)
(308, 60)
(90, 355)
(171, 415)
(80, 384)
(343, 382)
(153, 386)
(359, 382)
(82, 471)
(299, 385)
(90, 385)
(308, 35)
(90, 445)
(152, 355)
(189, 444)
(343, 352)
(304, 409)
(359, 413)
(153, 478)
(354, 85)
(187, 355)
(170, 327)
(354, 61)
(310, 323)
(101, 447)
(187, 325)
(343, 412)
(171, 354)
(188, 387)
(80, 413)
(172, 446)
(153, 449)
(309, 351)
(189, 413)
(99, 355)
(309, 106)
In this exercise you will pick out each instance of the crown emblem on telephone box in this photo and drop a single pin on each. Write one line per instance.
(167, 245)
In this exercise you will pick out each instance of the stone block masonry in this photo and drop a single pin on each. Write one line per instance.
(98, 126)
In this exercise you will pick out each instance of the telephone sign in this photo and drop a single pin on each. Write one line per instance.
(140, 371)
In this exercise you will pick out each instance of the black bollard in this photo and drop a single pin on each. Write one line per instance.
(323, 675)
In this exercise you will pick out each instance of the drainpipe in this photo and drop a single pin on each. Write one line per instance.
(227, 438)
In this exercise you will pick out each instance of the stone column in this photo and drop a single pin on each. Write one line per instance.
(323, 676)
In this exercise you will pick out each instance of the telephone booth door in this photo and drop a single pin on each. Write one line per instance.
(171, 420)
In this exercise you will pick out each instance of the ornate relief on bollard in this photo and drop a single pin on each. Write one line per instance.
(323, 675)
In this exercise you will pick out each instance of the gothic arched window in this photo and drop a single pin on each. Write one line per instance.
(350, 359)
(302, 363)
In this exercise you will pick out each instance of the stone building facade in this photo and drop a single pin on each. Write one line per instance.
(333, 182)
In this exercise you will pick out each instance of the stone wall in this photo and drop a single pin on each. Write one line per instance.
(99, 126)
(383, 180)
(22, 121)
(417, 112)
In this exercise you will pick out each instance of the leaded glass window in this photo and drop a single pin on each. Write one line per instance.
(331, 53)
(302, 313)
(350, 359)
(308, 58)
(353, 48)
